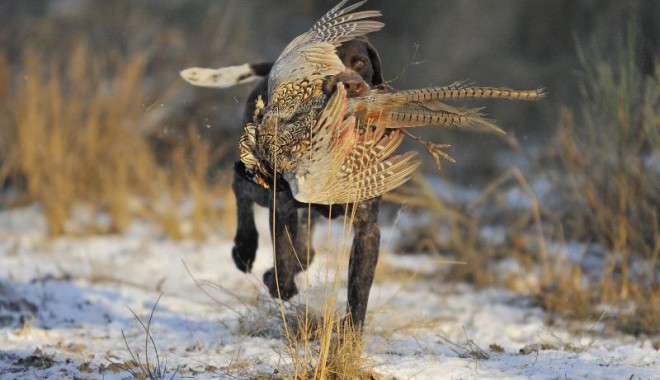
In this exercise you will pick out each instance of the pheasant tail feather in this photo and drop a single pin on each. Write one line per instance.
(458, 91)
(414, 108)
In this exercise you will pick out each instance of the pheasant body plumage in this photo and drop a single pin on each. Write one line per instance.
(331, 148)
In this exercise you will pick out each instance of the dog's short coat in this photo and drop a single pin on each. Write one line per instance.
(291, 238)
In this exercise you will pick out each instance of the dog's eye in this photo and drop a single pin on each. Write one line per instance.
(359, 63)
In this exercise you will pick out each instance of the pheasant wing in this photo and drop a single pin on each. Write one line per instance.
(312, 55)
(346, 163)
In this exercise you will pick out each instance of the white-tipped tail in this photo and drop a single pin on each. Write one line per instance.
(223, 77)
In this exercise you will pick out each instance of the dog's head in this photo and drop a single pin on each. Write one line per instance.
(362, 57)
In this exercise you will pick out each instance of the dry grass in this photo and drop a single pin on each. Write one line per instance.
(452, 233)
(605, 182)
(72, 133)
(143, 368)
(324, 347)
(604, 192)
(319, 341)
(324, 344)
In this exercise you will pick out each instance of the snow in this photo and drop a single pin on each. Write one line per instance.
(65, 303)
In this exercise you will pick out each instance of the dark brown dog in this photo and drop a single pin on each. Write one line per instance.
(360, 56)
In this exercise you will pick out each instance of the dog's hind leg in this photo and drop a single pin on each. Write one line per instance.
(363, 260)
(309, 215)
(307, 218)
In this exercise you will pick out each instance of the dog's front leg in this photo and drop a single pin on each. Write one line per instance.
(247, 237)
(284, 230)
(363, 260)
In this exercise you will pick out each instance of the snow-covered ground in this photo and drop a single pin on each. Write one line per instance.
(67, 304)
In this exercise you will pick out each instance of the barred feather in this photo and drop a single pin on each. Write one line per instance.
(312, 55)
(459, 91)
(338, 25)
(380, 178)
(414, 108)
(347, 163)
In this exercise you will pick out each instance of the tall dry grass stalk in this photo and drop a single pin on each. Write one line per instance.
(321, 341)
(72, 137)
(608, 170)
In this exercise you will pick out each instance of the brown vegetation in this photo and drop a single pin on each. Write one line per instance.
(604, 192)
(72, 133)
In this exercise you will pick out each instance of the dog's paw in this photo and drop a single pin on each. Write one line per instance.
(244, 255)
(285, 290)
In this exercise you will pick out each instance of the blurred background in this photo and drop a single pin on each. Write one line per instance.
(95, 120)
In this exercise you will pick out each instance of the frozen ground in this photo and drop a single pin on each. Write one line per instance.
(65, 303)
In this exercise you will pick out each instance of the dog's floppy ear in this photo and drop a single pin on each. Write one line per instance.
(375, 63)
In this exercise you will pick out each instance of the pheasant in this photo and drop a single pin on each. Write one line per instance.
(332, 143)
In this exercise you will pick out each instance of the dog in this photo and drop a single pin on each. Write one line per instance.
(289, 218)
